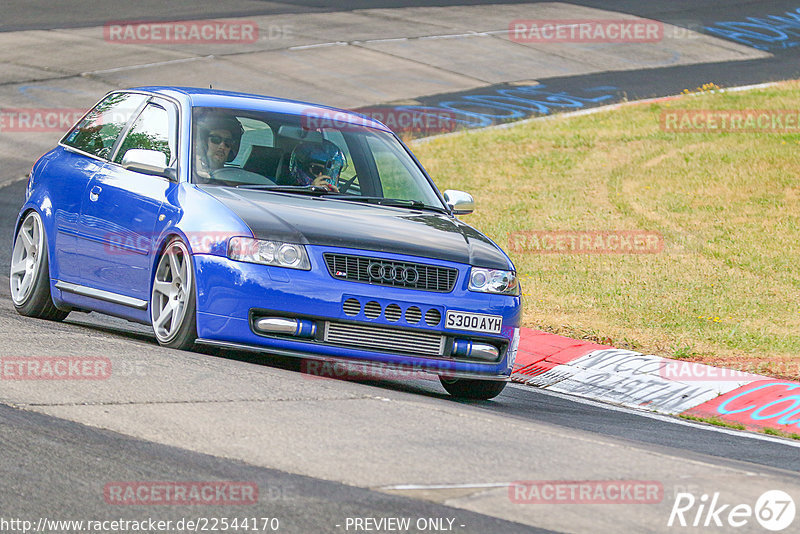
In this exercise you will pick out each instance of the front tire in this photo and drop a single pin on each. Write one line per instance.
(30, 272)
(173, 309)
(471, 388)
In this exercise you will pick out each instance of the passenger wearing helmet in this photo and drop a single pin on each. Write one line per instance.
(317, 164)
(218, 138)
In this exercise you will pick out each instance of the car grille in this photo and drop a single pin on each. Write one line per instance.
(358, 268)
(384, 339)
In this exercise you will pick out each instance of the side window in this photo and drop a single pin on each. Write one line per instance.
(149, 132)
(398, 174)
(392, 174)
(97, 133)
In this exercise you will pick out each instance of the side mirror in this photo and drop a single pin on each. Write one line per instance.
(460, 203)
(150, 162)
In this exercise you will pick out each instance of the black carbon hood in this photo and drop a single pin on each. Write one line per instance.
(311, 220)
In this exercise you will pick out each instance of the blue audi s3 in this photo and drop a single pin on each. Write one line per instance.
(269, 225)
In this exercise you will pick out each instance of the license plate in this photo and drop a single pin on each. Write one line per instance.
(474, 322)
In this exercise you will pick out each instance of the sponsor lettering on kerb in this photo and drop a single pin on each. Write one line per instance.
(764, 403)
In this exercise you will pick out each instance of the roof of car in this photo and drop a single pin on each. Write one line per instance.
(228, 99)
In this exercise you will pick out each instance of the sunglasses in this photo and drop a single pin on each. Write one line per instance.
(218, 139)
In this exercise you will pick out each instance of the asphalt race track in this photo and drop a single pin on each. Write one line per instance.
(325, 452)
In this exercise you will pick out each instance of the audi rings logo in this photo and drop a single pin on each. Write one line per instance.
(386, 272)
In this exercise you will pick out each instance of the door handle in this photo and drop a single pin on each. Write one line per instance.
(95, 193)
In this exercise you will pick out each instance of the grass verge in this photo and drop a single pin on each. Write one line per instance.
(780, 433)
(724, 290)
(716, 421)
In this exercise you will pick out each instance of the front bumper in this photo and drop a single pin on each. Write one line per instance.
(233, 295)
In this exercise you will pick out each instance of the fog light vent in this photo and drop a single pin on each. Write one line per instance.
(351, 307)
(393, 313)
(432, 317)
(413, 315)
(372, 309)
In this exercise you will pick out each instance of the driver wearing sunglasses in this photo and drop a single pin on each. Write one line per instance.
(218, 138)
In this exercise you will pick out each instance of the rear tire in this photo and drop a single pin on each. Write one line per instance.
(472, 388)
(173, 309)
(30, 272)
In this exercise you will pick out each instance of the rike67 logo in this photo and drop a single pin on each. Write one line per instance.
(774, 510)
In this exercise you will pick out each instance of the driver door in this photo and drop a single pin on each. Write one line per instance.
(120, 210)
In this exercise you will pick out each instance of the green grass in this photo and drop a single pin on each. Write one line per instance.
(685, 352)
(780, 433)
(726, 287)
(716, 421)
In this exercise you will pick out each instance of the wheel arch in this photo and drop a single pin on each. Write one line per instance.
(161, 246)
(46, 216)
(205, 226)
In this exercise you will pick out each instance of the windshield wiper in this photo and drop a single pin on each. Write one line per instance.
(393, 202)
(322, 191)
(302, 189)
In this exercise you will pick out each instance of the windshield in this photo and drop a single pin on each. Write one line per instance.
(240, 148)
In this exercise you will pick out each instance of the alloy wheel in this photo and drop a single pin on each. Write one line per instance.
(171, 287)
(26, 258)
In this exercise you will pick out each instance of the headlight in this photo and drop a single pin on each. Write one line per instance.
(493, 281)
(268, 253)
